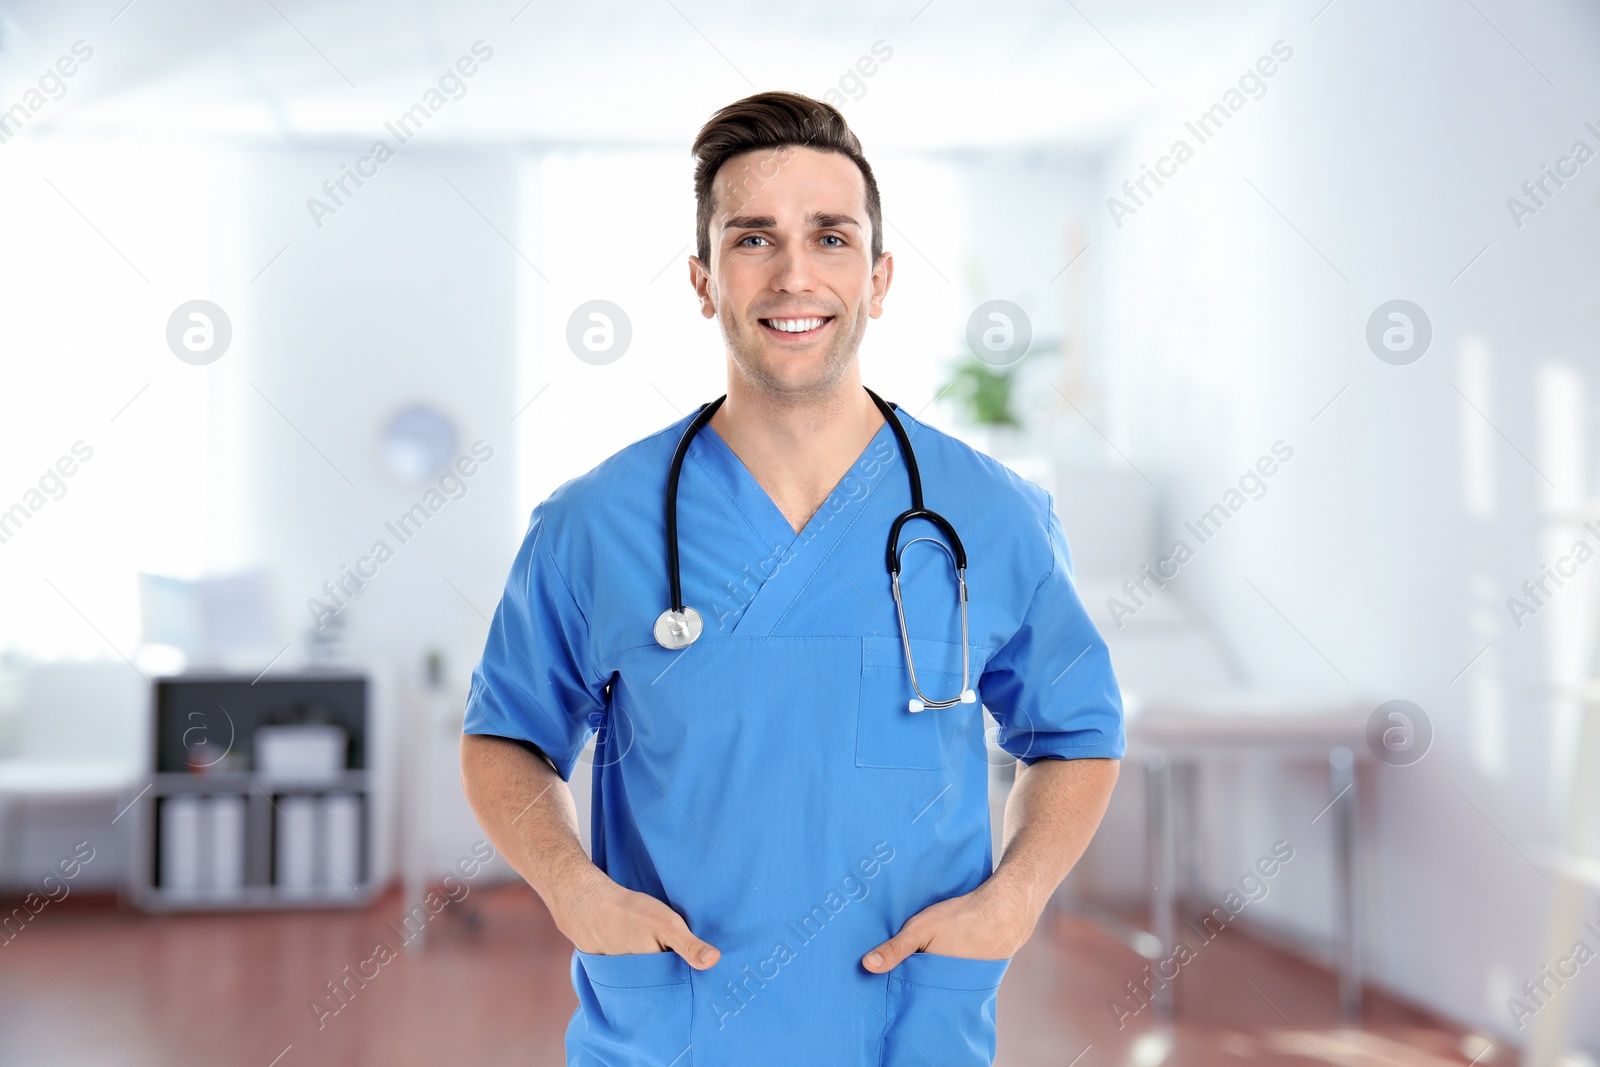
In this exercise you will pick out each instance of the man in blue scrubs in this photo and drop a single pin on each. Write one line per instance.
(790, 866)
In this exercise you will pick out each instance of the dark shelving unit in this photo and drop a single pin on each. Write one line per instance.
(213, 719)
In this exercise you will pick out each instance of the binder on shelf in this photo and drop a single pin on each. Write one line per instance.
(227, 842)
(180, 844)
(295, 872)
(341, 844)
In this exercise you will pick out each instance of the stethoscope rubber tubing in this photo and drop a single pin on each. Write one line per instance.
(706, 411)
(917, 511)
(913, 477)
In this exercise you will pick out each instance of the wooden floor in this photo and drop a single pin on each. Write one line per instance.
(88, 983)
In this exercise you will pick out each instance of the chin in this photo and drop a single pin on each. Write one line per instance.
(792, 373)
(792, 379)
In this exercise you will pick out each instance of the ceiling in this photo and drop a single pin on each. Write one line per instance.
(958, 76)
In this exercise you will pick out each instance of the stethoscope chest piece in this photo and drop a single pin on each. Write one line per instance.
(680, 626)
(678, 629)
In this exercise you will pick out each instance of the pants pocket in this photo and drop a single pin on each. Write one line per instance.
(942, 1011)
(633, 1011)
(888, 732)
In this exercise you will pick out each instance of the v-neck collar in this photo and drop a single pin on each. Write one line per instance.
(756, 504)
(797, 557)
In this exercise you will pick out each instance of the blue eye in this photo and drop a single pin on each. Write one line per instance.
(834, 237)
(752, 237)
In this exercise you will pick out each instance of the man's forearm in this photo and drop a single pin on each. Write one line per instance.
(527, 811)
(1052, 814)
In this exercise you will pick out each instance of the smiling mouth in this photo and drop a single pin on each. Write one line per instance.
(797, 327)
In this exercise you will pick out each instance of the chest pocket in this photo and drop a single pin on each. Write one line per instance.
(889, 734)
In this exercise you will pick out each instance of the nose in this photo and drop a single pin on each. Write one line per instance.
(792, 270)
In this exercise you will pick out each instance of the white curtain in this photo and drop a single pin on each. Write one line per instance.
(103, 238)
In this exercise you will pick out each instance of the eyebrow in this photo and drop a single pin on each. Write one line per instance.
(822, 220)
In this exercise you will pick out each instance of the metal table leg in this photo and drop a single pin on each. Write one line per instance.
(1342, 780)
(13, 826)
(1163, 867)
(1188, 836)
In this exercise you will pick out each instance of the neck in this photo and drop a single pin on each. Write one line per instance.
(798, 450)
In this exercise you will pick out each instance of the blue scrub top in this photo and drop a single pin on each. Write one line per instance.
(769, 782)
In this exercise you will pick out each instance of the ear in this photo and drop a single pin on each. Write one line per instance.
(700, 280)
(882, 275)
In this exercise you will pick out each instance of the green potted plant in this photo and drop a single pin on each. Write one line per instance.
(982, 392)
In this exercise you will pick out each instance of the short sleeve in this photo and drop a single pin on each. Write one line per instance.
(1050, 687)
(535, 681)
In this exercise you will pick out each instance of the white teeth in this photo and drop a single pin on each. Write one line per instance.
(795, 325)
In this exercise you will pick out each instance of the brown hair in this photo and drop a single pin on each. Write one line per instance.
(774, 120)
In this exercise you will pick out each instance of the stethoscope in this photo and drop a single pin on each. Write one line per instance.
(679, 626)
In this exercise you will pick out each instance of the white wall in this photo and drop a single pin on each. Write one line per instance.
(1390, 141)
(406, 294)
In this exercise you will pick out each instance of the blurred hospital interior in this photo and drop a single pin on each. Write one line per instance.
(1291, 307)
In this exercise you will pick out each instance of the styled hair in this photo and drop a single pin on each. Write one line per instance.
(774, 120)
